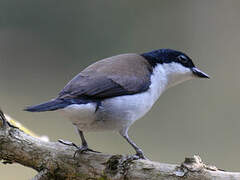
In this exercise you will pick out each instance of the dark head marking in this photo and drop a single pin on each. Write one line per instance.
(161, 56)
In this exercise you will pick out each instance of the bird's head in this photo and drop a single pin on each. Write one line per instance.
(177, 66)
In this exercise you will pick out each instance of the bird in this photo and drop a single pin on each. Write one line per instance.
(112, 93)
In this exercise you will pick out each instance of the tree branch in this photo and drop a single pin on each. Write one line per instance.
(54, 160)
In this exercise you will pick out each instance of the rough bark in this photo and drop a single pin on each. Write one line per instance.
(54, 160)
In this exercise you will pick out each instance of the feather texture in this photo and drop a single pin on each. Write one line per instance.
(115, 76)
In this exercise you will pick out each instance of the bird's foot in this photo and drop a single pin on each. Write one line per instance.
(140, 154)
(80, 149)
(137, 156)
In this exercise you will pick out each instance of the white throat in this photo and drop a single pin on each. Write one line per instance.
(176, 73)
(168, 75)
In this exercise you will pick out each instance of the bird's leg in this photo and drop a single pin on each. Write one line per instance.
(84, 142)
(139, 152)
(82, 148)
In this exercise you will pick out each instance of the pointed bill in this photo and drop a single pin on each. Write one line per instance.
(199, 73)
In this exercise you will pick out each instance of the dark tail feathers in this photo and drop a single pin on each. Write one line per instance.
(48, 106)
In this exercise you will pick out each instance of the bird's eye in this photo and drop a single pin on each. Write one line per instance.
(183, 58)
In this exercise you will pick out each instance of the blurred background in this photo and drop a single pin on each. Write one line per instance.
(43, 44)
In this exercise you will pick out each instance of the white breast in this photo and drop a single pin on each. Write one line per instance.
(124, 110)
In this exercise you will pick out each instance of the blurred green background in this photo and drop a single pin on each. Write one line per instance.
(43, 44)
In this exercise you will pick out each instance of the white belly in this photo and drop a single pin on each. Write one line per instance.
(119, 112)
(113, 114)
(122, 111)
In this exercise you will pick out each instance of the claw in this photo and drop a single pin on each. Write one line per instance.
(80, 149)
(68, 143)
(137, 157)
(141, 156)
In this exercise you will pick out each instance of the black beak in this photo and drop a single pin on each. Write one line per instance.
(199, 73)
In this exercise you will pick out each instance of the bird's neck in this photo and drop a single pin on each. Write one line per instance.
(159, 82)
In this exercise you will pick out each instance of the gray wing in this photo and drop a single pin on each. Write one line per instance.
(115, 76)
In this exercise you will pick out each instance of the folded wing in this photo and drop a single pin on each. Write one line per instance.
(115, 76)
